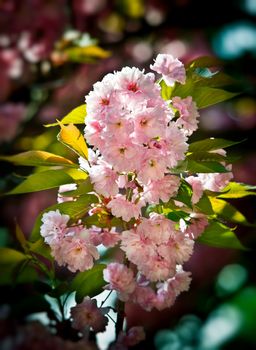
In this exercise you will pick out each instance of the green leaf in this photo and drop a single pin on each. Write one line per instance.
(38, 158)
(184, 194)
(14, 267)
(216, 80)
(76, 174)
(88, 283)
(204, 205)
(202, 84)
(75, 209)
(204, 96)
(176, 215)
(237, 190)
(207, 96)
(204, 61)
(202, 156)
(21, 237)
(15, 274)
(76, 116)
(205, 167)
(166, 91)
(211, 144)
(41, 248)
(83, 188)
(228, 211)
(42, 181)
(71, 136)
(10, 256)
(219, 235)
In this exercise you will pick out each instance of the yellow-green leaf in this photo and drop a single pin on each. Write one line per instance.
(21, 237)
(42, 181)
(10, 256)
(86, 54)
(237, 190)
(76, 116)
(212, 144)
(38, 158)
(71, 136)
(227, 211)
(204, 61)
(76, 174)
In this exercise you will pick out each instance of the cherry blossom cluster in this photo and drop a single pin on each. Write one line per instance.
(74, 246)
(137, 140)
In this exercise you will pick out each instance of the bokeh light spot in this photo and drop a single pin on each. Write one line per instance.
(235, 39)
(222, 325)
(230, 279)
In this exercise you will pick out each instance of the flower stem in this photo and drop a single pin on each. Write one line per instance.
(120, 317)
(103, 302)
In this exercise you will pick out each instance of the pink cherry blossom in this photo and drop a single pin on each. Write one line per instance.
(120, 278)
(121, 207)
(144, 296)
(133, 336)
(161, 189)
(104, 179)
(75, 253)
(157, 228)
(110, 238)
(123, 156)
(181, 281)
(139, 251)
(197, 188)
(168, 291)
(172, 147)
(175, 143)
(87, 315)
(188, 114)
(158, 268)
(182, 247)
(143, 248)
(153, 166)
(95, 235)
(171, 68)
(54, 226)
(118, 128)
(134, 82)
(165, 296)
(102, 98)
(215, 181)
(149, 124)
(197, 225)
(92, 133)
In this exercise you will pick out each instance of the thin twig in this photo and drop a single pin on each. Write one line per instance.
(103, 302)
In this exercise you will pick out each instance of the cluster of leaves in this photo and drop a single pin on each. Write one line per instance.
(52, 170)
(77, 47)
